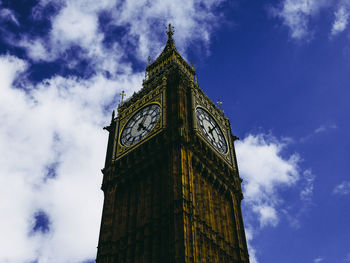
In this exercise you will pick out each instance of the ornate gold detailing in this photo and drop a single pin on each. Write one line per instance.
(219, 103)
(201, 100)
(156, 96)
(122, 95)
(167, 57)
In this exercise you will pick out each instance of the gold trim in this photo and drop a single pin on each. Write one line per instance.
(223, 133)
(201, 101)
(156, 96)
(132, 115)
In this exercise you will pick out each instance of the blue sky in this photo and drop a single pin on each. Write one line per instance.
(281, 68)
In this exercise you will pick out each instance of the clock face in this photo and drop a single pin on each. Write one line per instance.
(140, 125)
(211, 130)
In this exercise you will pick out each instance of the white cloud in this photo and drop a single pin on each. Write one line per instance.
(249, 230)
(298, 15)
(77, 24)
(307, 192)
(36, 49)
(73, 25)
(342, 188)
(324, 128)
(56, 124)
(296, 209)
(8, 15)
(341, 20)
(318, 260)
(264, 171)
(195, 20)
(267, 215)
(267, 171)
(59, 120)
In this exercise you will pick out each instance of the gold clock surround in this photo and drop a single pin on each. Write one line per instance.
(157, 96)
(200, 100)
(218, 126)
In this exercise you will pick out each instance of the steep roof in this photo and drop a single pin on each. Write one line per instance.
(169, 51)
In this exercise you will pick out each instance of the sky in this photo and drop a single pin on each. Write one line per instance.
(281, 68)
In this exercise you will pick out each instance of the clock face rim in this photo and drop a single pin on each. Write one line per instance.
(148, 132)
(217, 126)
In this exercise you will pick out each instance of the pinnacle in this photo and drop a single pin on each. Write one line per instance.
(169, 47)
(170, 31)
(168, 51)
(170, 44)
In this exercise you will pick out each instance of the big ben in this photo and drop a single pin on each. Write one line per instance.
(172, 191)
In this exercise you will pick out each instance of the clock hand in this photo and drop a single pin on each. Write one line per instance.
(211, 132)
(144, 119)
(141, 126)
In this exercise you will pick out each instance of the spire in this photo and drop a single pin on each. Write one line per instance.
(170, 44)
(169, 51)
(170, 31)
(169, 48)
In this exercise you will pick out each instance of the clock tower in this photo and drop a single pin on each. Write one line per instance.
(172, 192)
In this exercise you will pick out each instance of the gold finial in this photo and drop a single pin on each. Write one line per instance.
(122, 95)
(219, 103)
(170, 31)
(192, 66)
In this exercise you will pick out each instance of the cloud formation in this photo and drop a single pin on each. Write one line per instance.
(342, 189)
(89, 29)
(301, 16)
(341, 19)
(58, 122)
(51, 137)
(308, 189)
(324, 128)
(264, 171)
(7, 15)
(252, 251)
(296, 14)
(318, 260)
(267, 171)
